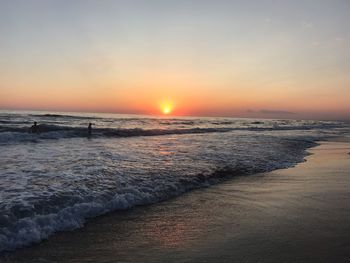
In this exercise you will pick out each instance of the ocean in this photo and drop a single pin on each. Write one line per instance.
(56, 179)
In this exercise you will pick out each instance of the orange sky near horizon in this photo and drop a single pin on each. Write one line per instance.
(188, 94)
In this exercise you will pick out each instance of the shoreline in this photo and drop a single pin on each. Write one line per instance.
(246, 219)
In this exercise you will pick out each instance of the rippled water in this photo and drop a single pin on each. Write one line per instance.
(54, 180)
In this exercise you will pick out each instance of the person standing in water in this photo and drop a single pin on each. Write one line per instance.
(90, 129)
(34, 128)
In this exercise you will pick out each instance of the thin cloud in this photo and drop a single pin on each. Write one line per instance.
(307, 25)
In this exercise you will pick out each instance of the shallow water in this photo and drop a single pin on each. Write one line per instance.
(56, 179)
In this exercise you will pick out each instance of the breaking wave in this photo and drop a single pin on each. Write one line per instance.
(24, 224)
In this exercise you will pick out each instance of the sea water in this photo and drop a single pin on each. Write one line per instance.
(56, 179)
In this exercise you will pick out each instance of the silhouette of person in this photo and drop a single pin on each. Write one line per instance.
(34, 128)
(90, 129)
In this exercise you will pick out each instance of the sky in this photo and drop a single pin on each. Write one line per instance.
(262, 58)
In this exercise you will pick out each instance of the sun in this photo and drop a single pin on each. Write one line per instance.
(166, 106)
(166, 110)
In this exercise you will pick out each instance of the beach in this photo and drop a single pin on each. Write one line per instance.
(298, 214)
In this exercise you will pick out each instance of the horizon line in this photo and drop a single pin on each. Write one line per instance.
(290, 117)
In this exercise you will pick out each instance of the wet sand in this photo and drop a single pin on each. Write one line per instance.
(300, 214)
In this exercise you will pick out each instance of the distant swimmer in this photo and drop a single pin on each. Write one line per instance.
(90, 129)
(34, 128)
